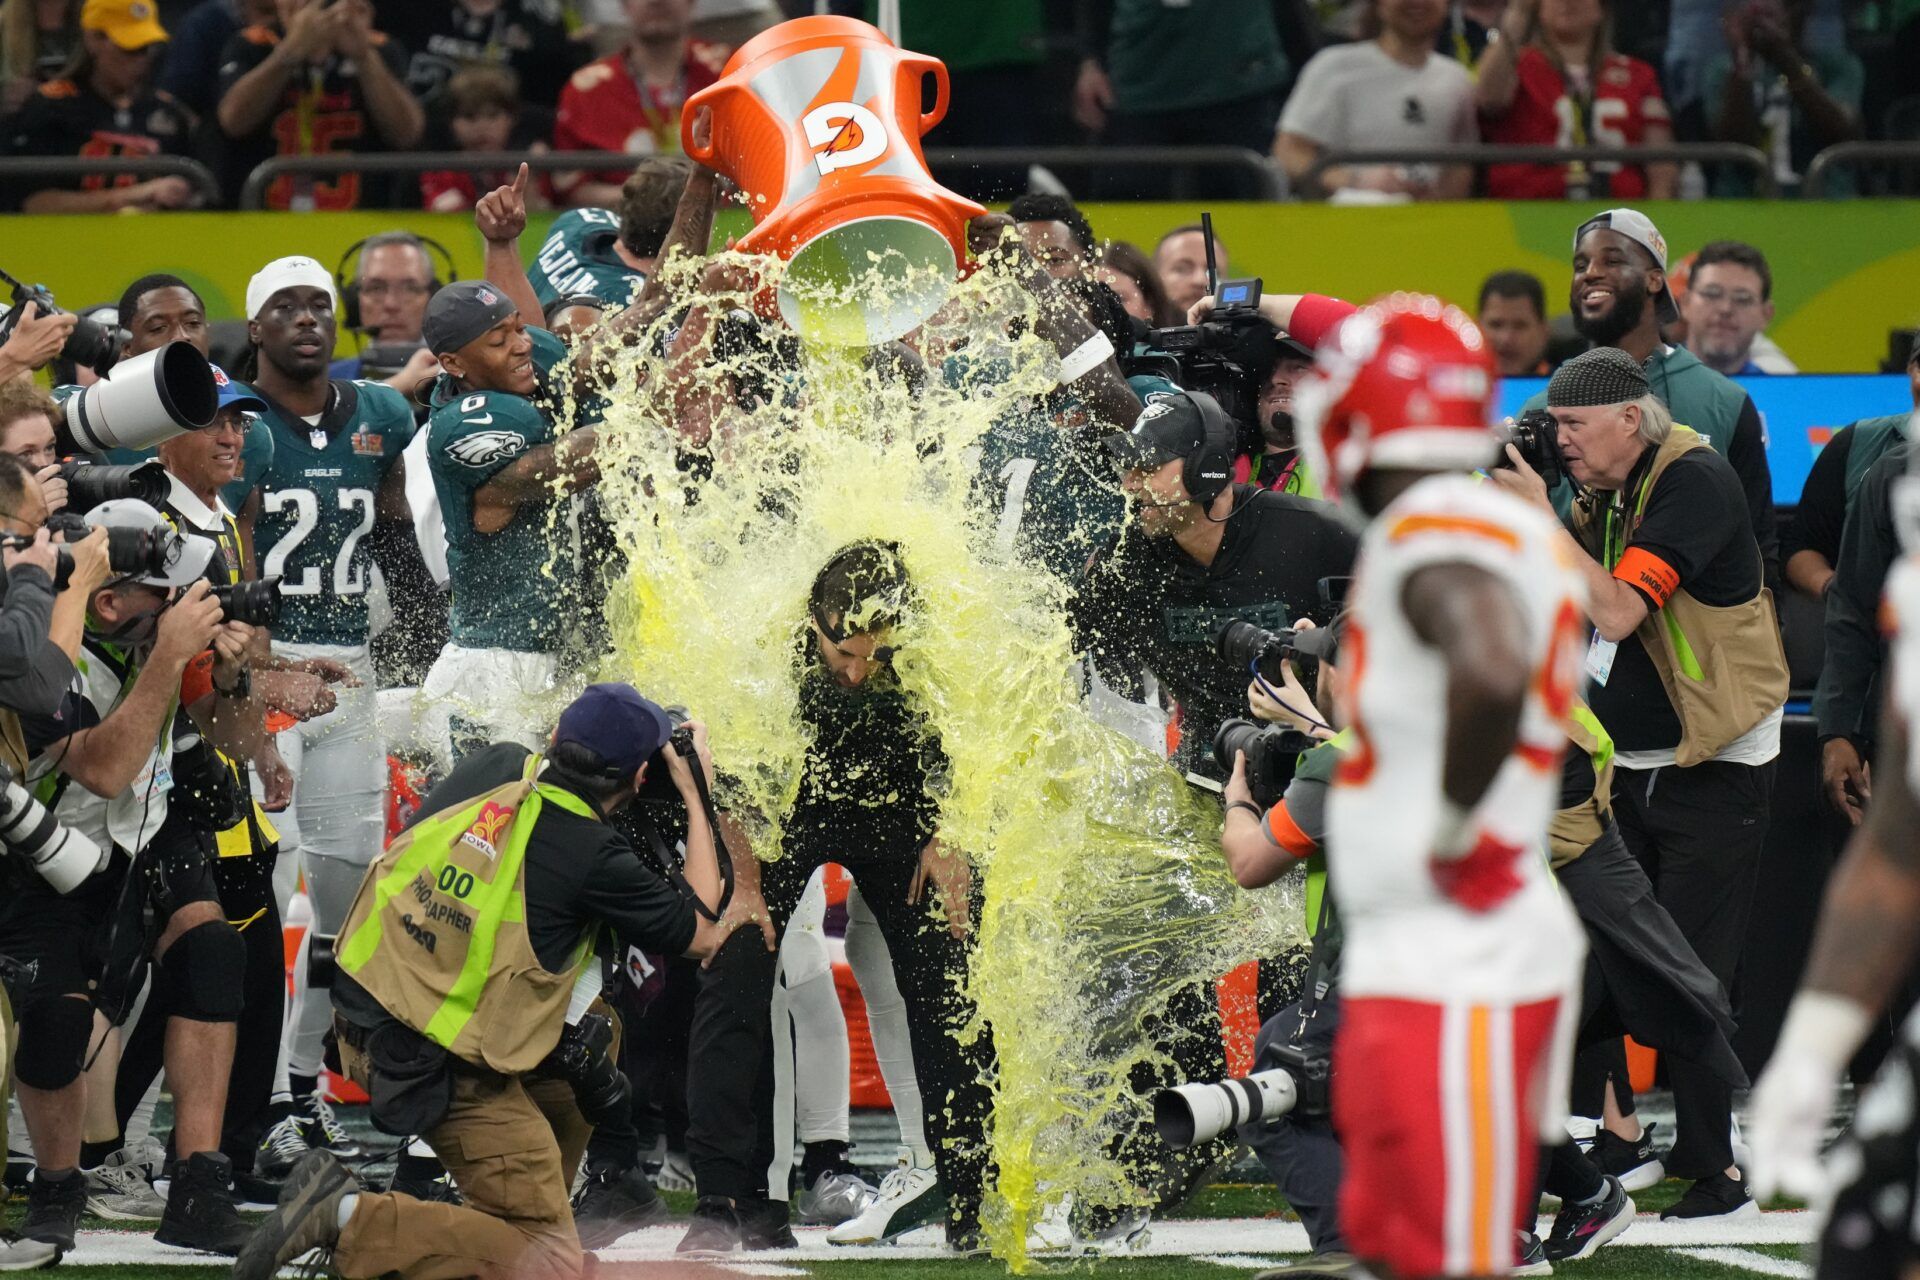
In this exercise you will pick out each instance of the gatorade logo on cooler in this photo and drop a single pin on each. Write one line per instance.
(843, 134)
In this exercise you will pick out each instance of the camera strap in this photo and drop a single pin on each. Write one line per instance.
(669, 866)
(1318, 983)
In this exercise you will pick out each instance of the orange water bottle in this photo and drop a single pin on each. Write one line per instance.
(818, 121)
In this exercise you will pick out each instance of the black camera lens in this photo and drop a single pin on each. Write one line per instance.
(140, 553)
(255, 603)
(94, 345)
(89, 484)
(1535, 436)
(1244, 645)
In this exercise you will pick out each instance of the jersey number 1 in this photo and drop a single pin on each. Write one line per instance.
(347, 580)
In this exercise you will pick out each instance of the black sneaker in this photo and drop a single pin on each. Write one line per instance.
(1530, 1256)
(1580, 1229)
(715, 1228)
(200, 1213)
(1716, 1197)
(613, 1202)
(308, 1217)
(1636, 1164)
(255, 1191)
(763, 1225)
(54, 1208)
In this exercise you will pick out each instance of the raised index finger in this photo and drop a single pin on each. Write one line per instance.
(520, 179)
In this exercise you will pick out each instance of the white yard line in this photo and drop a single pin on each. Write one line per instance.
(1177, 1238)
(1747, 1260)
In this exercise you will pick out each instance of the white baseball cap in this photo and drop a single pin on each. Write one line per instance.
(187, 555)
(1637, 227)
(287, 273)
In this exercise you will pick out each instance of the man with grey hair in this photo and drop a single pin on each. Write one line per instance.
(1688, 677)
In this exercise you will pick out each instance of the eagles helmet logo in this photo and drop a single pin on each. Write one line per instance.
(485, 448)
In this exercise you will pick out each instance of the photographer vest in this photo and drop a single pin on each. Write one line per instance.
(1575, 828)
(1723, 668)
(438, 931)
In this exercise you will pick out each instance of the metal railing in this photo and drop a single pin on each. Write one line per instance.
(15, 169)
(1265, 180)
(1483, 153)
(253, 194)
(1845, 154)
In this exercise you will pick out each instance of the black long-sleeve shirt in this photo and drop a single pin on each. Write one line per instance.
(1848, 691)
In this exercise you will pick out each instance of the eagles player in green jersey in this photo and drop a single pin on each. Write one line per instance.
(606, 253)
(334, 488)
(501, 466)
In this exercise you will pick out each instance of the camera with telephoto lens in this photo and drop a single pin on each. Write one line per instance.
(1296, 1083)
(1250, 647)
(584, 1059)
(62, 856)
(255, 603)
(1536, 437)
(91, 483)
(95, 345)
(143, 553)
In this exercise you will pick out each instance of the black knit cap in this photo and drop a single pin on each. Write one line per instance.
(1602, 376)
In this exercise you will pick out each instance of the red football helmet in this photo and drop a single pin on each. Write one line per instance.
(1406, 381)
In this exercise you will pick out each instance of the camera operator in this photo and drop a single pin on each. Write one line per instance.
(1198, 552)
(467, 947)
(34, 341)
(1278, 466)
(1689, 680)
(27, 415)
(103, 759)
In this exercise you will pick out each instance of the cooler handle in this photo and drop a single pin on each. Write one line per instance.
(918, 66)
(708, 97)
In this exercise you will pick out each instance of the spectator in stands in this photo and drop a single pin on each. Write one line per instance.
(1810, 546)
(1513, 315)
(1469, 24)
(1868, 463)
(1553, 80)
(630, 100)
(1728, 305)
(1619, 299)
(1057, 235)
(1390, 90)
(527, 37)
(1181, 260)
(485, 114)
(38, 38)
(1211, 73)
(105, 105)
(734, 22)
(1773, 90)
(190, 69)
(317, 80)
(1128, 271)
(393, 277)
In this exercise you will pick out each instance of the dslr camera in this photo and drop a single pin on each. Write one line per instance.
(255, 603)
(1296, 1081)
(129, 551)
(92, 344)
(91, 483)
(62, 856)
(1536, 437)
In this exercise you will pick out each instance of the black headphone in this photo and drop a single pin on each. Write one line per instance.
(350, 286)
(1208, 470)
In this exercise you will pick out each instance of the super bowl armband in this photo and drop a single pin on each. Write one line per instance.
(1085, 358)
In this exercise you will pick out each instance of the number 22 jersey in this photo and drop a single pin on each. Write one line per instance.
(1412, 930)
(317, 501)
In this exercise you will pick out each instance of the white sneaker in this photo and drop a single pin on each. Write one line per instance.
(25, 1255)
(835, 1198)
(676, 1172)
(910, 1197)
(1581, 1129)
(119, 1189)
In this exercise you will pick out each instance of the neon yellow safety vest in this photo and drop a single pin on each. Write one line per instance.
(438, 931)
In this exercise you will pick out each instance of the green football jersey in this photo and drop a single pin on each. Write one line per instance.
(317, 507)
(512, 589)
(578, 256)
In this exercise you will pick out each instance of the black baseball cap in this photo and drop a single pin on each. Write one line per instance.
(461, 312)
(1173, 424)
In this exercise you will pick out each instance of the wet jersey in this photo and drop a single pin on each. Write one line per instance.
(317, 500)
(512, 589)
(578, 256)
(1490, 924)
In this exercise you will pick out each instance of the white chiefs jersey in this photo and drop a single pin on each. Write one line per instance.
(1903, 652)
(1406, 937)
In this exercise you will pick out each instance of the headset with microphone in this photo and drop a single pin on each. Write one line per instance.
(1208, 469)
(349, 286)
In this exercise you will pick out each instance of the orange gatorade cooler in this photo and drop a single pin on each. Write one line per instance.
(818, 121)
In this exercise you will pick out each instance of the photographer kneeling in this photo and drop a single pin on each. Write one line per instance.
(101, 763)
(467, 951)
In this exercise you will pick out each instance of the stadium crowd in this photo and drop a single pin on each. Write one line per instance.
(211, 613)
(233, 83)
